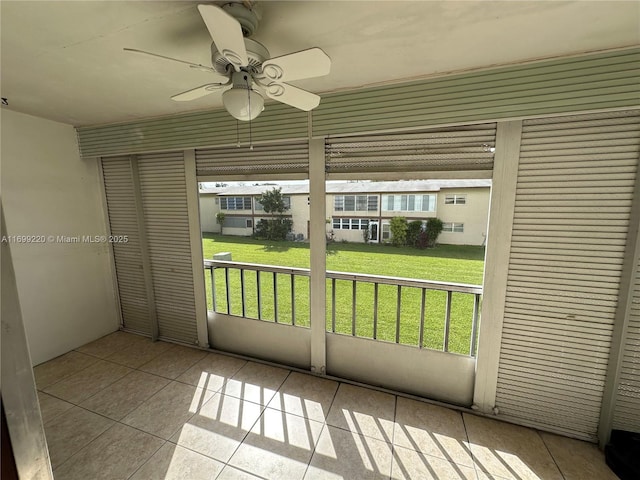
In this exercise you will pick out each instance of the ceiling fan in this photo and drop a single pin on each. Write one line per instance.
(244, 64)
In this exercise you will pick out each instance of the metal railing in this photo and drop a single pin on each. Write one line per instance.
(260, 295)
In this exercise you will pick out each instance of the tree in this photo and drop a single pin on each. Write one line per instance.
(273, 201)
(277, 227)
(398, 228)
(220, 220)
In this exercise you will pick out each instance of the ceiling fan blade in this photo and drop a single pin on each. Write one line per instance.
(294, 96)
(226, 33)
(197, 66)
(295, 66)
(198, 92)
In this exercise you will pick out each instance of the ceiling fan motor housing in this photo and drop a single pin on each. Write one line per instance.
(246, 16)
(256, 52)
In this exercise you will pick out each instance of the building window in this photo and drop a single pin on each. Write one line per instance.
(286, 199)
(455, 199)
(350, 223)
(409, 203)
(235, 203)
(355, 203)
(237, 222)
(453, 227)
(386, 232)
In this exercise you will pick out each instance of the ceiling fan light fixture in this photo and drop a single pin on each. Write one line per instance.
(242, 103)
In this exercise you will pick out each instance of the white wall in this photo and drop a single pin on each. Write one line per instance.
(65, 289)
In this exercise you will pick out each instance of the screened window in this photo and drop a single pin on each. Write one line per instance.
(350, 223)
(235, 203)
(453, 227)
(237, 222)
(355, 203)
(409, 203)
(286, 199)
(455, 199)
(386, 231)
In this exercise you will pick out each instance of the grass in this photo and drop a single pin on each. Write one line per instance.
(447, 263)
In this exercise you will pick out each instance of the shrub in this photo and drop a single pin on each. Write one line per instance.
(422, 241)
(413, 230)
(433, 230)
(273, 229)
(398, 228)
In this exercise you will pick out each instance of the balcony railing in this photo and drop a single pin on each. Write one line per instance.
(409, 311)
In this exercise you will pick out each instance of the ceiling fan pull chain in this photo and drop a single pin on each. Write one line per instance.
(238, 133)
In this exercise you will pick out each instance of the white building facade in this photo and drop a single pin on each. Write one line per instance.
(354, 208)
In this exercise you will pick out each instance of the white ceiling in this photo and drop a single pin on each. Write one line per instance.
(64, 60)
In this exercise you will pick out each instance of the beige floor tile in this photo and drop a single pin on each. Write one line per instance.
(432, 430)
(87, 382)
(305, 395)
(232, 473)
(212, 372)
(256, 382)
(509, 451)
(346, 455)
(116, 454)
(578, 460)
(109, 344)
(364, 411)
(48, 373)
(122, 397)
(279, 445)
(51, 407)
(137, 355)
(173, 462)
(71, 431)
(409, 464)
(174, 361)
(219, 426)
(168, 410)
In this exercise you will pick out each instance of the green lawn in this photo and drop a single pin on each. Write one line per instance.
(460, 264)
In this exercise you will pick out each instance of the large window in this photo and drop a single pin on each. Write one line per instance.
(455, 199)
(355, 203)
(235, 203)
(350, 223)
(409, 203)
(286, 199)
(453, 227)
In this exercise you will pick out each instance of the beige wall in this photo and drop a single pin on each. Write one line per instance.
(299, 214)
(65, 289)
(473, 214)
(208, 211)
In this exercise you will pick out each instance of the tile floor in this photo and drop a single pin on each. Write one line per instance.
(123, 407)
